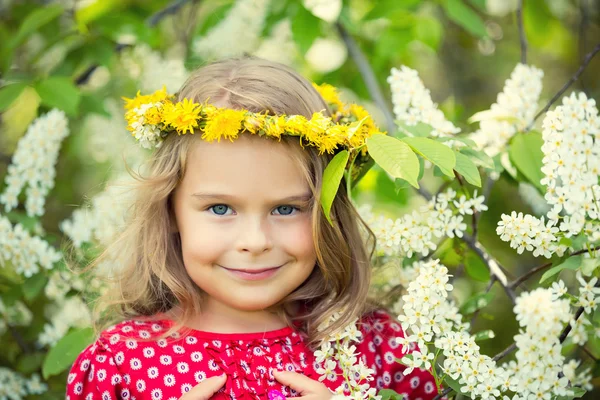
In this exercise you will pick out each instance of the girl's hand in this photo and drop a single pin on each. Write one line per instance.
(205, 389)
(307, 388)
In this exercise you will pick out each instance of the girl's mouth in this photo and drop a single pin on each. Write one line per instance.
(253, 274)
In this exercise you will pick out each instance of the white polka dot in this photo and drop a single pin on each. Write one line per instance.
(169, 380)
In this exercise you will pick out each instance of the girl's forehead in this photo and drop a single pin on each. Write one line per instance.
(245, 163)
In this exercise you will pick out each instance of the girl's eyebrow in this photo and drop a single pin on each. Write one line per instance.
(212, 196)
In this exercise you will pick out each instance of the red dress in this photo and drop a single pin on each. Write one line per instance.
(129, 362)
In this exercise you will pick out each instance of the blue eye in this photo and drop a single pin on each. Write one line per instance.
(219, 209)
(286, 210)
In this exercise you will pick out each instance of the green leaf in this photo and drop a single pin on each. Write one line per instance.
(464, 16)
(30, 362)
(332, 176)
(526, 155)
(428, 30)
(91, 103)
(436, 152)
(467, 169)
(34, 285)
(484, 335)
(419, 129)
(395, 157)
(478, 157)
(59, 92)
(389, 394)
(476, 269)
(305, 29)
(476, 302)
(453, 384)
(572, 263)
(61, 356)
(39, 17)
(9, 93)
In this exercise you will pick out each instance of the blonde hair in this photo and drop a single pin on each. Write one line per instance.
(153, 279)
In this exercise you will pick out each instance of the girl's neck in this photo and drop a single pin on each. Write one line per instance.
(219, 318)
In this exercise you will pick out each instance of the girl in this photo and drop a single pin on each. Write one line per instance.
(232, 272)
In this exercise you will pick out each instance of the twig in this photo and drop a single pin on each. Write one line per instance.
(368, 75)
(19, 339)
(522, 37)
(168, 10)
(586, 61)
(542, 267)
(589, 353)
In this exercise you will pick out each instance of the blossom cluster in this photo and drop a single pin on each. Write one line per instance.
(64, 314)
(571, 163)
(99, 221)
(279, 46)
(16, 315)
(415, 233)
(571, 168)
(13, 386)
(33, 163)
(539, 361)
(513, 111)
(26, 253)
(148, 67)
(413, 104)
(339, 351)
(245, 19)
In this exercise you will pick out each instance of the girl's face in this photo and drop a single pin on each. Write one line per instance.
(243, 213)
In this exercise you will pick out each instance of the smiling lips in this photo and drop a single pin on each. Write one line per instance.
(253, 274)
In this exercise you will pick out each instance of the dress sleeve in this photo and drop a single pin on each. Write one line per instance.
(94, 375)
(380, 351)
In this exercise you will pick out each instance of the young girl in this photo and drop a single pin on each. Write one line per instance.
(231, 268)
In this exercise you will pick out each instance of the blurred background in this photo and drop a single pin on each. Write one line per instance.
(84, 56)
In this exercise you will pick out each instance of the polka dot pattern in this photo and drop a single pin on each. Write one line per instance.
(135, 360)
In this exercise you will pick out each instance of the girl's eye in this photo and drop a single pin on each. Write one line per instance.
(286, 210)
(219, 209)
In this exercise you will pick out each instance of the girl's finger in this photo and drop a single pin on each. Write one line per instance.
(302, 384)
(205, 389)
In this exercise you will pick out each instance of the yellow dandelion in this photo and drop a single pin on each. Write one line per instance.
(153, 116)
(275, 126)
(183, 116)
(330, 95)
(296, 125)
(359, 112)
(253, 123)
(139, 99)
(225, 123)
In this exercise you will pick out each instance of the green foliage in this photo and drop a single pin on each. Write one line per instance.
(59, 92)
(440, 155)
(572, 263)
(9, 93)
(395, 157)
(526, 154)
(332, 176)
(476, 302)
(465, 16)
(61, 356)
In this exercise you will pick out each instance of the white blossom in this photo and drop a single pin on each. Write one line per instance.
(326, 55)
(64, 314)
(513, 111)
(33, 162)
(14, 386)
(25, 252)
(279, 46)
(412, 102)
(245, 20)
(152, 70)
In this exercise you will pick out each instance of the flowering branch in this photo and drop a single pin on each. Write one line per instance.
(586, 61)
(522, 37)
(368, 75)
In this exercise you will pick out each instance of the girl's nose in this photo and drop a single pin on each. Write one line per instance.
(255, 236)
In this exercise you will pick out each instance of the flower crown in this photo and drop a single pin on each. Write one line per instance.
(151, 118)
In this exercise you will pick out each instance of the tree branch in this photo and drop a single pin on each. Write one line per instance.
(171, 8)
(522, 37)
(514, 284)
(586, 61)
(367, 74)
